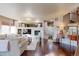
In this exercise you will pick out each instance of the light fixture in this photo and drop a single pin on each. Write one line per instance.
(37, 20)
(28, 18)
(19, 21)
(61, 26)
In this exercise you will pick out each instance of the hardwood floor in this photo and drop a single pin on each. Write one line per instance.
(49, 49)
(53, 49)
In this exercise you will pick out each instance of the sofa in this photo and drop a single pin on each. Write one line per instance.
(16, 45)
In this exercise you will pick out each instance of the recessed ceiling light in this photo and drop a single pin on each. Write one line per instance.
(37, 21)
(29, 14)
(19, 21)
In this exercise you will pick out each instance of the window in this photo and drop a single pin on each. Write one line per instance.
(5, 29)
(13, 30)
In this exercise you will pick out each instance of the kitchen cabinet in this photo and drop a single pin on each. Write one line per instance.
(70, 18)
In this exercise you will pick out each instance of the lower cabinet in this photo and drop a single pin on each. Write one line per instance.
(69, 46)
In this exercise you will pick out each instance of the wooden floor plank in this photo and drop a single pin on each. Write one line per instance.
(49, 49)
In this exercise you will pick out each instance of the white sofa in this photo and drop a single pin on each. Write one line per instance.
(17, 45)
(33, 43)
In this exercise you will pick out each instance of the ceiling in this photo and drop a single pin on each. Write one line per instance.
(38, 10)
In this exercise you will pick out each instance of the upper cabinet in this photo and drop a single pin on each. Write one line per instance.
(30, 25)
(72, 17)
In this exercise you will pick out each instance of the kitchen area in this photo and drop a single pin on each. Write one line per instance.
(64, 31)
